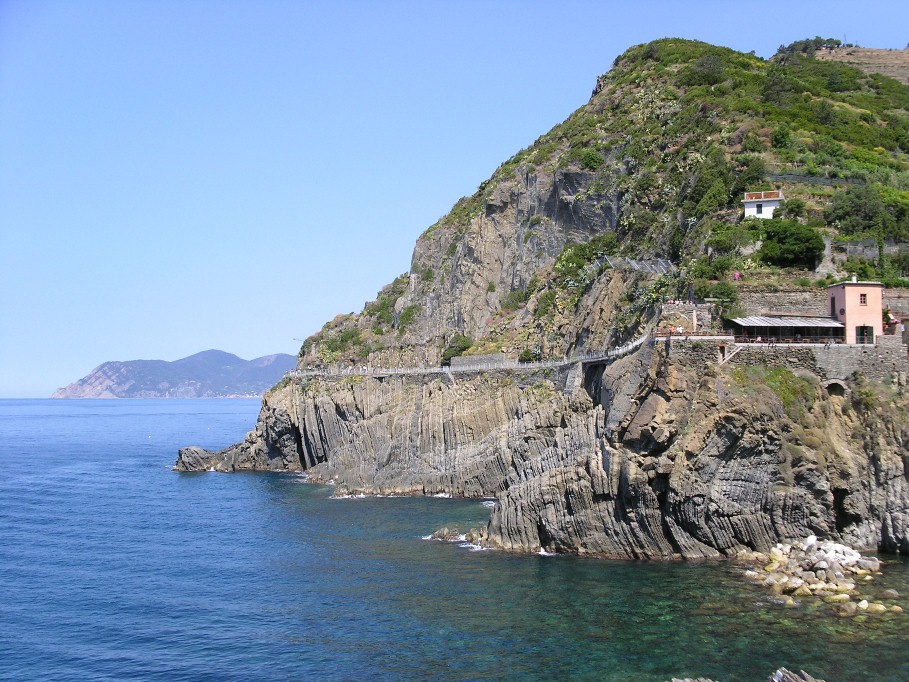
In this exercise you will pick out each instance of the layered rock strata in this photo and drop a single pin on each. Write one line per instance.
(666, 454)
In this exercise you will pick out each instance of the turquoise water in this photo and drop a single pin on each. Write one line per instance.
(114, 567)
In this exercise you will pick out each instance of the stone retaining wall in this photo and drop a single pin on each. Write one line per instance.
(805, 302)
(696, 353)
(809, 301)
(878, 362)
(897, 300)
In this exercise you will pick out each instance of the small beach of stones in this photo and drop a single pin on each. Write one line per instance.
(825, 570)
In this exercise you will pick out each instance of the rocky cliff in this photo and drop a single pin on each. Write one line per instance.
(209, 374)
(669, 452)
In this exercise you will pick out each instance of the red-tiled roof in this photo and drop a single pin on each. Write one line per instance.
(761, 196)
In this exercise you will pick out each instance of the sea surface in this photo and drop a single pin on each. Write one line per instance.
(114, 567)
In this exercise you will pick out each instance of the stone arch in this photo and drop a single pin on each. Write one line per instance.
(836, 387)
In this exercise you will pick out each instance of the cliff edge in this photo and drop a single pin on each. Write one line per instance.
(586, 240)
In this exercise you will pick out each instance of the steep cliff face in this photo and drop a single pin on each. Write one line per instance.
(667, 454)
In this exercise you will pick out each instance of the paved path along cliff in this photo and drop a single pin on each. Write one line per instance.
(666, 453)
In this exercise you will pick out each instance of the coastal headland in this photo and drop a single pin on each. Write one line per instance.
(569, 339)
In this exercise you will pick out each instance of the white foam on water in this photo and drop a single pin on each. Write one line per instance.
(426, 537)
(489, 504)
(543, 552)
(441, 495)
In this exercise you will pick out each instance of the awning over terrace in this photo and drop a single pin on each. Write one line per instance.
(788, 329)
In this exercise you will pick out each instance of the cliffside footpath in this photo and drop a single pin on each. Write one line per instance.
(672, 451)
(667, 454)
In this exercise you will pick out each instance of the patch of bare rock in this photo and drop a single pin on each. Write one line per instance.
(781, 675)
(825, 570)
(471, 537)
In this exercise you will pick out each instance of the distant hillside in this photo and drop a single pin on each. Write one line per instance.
(209, 374)
(893, 63)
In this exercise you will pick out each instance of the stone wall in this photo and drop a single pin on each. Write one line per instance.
(897, 300)
(789, 357)
(803, 302)
(809, 301)
(878, 362)
(693, 352)
(488, 359)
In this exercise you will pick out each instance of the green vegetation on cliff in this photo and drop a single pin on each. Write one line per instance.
(653, 166)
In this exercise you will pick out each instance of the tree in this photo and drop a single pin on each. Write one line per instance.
(793, 208)
(752, 174)
(776, 85)
(714, 178)
(860, 209)
(781, 138)
(715, 198)
(788, 243)
(458, 344)
(708, 70)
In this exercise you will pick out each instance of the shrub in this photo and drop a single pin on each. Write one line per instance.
(458, 344)
(716, 198)
(591, 159)
(781, 138)
(407, 316)
(788, 243)
(729, 239)
(793, 208)
(573, 260)
(752, 143)
(514, 300)
(860, 209)
(545, 302)
(528, 355)
(384, 305)
(707, 70)
(752, 173)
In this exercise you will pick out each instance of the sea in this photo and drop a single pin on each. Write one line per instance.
(115, 567)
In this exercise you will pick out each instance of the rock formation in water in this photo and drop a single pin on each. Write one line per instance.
(574, 245)
(209, 374)
(666, 454)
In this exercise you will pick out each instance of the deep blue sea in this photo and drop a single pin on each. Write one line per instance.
(114, 567)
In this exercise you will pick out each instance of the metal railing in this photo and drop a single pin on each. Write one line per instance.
(606, 355)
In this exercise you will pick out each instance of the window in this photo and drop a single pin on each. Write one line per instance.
(863, 299)
(759, 209)
(833, 306)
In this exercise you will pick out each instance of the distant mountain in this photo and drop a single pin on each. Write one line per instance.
(209, 374)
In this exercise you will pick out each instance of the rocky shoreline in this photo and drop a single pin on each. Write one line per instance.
(826, 570)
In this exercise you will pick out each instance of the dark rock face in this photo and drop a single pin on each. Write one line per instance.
(669, 458)
(665, 453)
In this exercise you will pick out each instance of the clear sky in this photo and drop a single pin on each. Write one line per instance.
(183, 175)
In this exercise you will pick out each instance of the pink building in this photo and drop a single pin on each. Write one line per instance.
(859, 306)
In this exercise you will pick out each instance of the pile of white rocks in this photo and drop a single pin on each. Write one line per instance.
(826, 570)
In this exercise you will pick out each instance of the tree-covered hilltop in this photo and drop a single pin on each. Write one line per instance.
(653, 166)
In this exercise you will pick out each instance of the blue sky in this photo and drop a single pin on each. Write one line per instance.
(177, 176)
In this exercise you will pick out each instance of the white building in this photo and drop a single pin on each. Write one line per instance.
(762, 204)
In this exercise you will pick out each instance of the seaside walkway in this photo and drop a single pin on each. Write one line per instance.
(597, 357)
